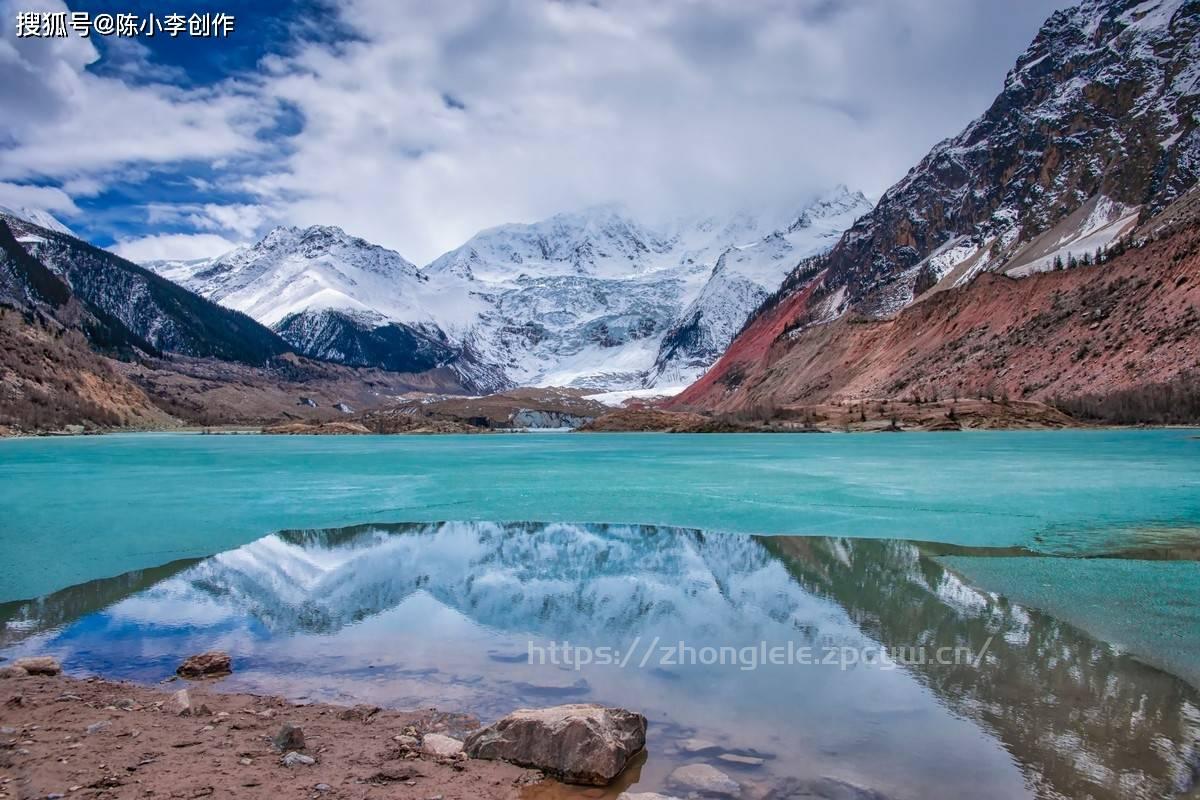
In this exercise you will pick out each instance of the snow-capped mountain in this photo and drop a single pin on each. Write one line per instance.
(599, 242)
(39, 217)
(586, 299)
(744, 276)
(337, 297)
(306, 270)
(595, 299)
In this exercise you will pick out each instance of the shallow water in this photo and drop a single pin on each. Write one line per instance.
(105, 505)
(822, 656)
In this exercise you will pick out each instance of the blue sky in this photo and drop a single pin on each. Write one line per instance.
(415, 124)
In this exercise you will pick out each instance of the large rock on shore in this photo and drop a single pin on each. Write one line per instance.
(39, 665)
(578, 743)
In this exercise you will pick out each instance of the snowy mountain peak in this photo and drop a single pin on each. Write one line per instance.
(320, 241)
(834, 205)
(37, 216)
(602, 241)
(318, 268)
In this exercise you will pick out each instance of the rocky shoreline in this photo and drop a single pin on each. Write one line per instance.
(64, 736)
(91, 737)
(68, 737)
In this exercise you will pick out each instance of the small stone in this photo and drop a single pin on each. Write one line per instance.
(704, 779)
(361, 713)
(698, 747)
(411, 742)
(323, 787)
(39, 665)
(294, 759)
(741, 761)
(825, 787)
(290, 737)
(245, 762)
(181, 703)
(435, 744)
(214, 664)
(97, 727)
(125, 704)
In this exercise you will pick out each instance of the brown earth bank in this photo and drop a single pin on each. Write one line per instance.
(516, 409)
(1130, 327)
(92, 738)
(291, 388)
(866, 415)
(50, 379)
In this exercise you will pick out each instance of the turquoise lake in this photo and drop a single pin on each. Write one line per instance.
(105, 505)
(1061, 569)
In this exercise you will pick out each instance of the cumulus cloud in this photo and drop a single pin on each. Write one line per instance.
(437, 119)
(241, 219)
(668, 107)
(46, 198)
(173, 247)
(64, 122)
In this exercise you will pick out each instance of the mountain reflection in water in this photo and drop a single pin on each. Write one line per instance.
(447, 614)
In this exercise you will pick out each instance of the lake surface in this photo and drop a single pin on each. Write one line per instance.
(106, 505)
(1041, 639)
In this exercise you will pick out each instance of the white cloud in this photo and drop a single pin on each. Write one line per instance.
(444, 118)
(64, 122)
(173, 247)
(241, 219)
(46, 198)
(668, 107)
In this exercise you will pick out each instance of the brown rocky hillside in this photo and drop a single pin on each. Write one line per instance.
(1131, 322)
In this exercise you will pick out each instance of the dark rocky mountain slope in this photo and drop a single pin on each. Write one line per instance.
(161, 314)
(1094, 134)
(90, 340)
